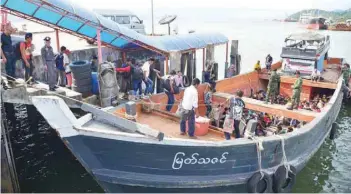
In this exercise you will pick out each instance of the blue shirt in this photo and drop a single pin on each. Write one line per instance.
(6, 43)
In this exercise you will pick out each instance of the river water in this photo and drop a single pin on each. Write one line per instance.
(44, 164)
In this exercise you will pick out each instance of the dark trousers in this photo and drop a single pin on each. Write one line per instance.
(10, 66)
(28, 71)
(170, 101)
(190, 117)
(137, 86)
(125, 85)
(236, 128)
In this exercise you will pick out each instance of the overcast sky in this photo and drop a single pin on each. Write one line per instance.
(143, 5)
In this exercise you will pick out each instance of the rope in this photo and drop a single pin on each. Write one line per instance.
(284, 159)
(259, 148)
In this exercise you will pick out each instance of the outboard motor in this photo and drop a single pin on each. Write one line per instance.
(108, 85)
(250, 128)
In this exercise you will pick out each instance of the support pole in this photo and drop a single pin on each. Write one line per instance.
(203, 58)
(124, 57)
(98, 36)
(167, 68)
(57, 40)
(152, 16)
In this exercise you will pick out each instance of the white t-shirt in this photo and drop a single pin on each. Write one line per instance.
(66, 61)
(146, 68)
(190, 98)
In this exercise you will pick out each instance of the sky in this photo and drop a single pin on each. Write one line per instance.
(140, 5)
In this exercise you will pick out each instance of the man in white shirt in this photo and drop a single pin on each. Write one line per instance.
(148, 82)
(190, 108)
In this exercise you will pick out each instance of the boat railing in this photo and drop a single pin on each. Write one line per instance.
(305, 53)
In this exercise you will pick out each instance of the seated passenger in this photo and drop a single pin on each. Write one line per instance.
(280, 130)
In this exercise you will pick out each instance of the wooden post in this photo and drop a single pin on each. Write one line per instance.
(57, 41)
(98, 36)
(226, 60)
(234, 56)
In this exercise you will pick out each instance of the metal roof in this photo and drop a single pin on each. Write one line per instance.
(76, 20)
(306, 36)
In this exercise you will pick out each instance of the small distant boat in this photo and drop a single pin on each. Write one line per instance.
(341, 26)
(290, 20)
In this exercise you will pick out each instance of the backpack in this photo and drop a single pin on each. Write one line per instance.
(59, 62)
(167, 85)
(137, 73)
(17, 50)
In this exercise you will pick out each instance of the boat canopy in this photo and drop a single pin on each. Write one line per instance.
(74, 19)
(307, 36)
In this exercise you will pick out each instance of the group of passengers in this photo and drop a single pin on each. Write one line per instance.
(55, 64)
(233, 118)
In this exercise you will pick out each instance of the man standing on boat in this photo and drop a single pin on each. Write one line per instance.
(190, 108)
(48, 57)
(148, 82)
(295, 99)
(237, 106)
(273, 86)
(269, 61)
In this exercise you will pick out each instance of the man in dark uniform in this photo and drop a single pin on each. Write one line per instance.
(48, 57)
(8, 52)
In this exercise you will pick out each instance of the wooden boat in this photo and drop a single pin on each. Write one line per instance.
(149, 152)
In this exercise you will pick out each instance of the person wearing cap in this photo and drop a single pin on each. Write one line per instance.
(8, 57)
(295, 99)
(148, 82)
(27, 49)
(48, 57)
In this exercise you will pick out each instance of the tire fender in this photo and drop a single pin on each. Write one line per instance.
(281, 184)
(254, 184)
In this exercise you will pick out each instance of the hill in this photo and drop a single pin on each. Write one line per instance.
(335, 15)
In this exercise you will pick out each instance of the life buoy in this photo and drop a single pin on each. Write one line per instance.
(281, 184)
(259, 184)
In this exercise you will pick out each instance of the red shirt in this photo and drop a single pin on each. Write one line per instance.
(123, 69)
(26, 45)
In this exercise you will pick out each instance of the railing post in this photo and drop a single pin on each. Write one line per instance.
(98, 36)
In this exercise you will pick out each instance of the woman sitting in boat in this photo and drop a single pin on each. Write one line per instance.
(257, 66)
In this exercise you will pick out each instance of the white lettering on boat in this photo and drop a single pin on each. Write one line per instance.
(180, 159)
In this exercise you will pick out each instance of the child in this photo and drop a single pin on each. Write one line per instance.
(208, 100)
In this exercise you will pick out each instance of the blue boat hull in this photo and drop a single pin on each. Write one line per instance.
(168, 166)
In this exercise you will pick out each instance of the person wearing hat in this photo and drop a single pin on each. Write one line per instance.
(27, 49)
(295, 99)
(48, 57)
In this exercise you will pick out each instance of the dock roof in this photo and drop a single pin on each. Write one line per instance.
(67, 16)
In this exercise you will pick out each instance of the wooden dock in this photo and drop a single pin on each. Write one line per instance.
(21, 93)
